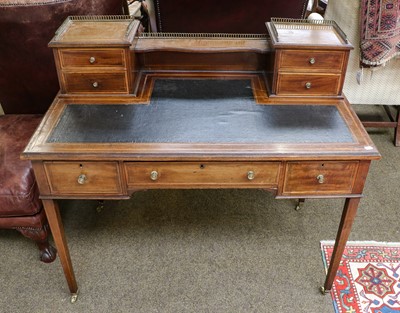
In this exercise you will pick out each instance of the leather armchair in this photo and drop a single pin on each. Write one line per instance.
(20, 207)
(28, 84)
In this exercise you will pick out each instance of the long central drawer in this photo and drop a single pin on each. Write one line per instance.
(202, 175)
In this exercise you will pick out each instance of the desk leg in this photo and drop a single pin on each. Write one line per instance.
(348, 215)
(57, 229)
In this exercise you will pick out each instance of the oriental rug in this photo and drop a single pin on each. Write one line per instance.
(368, 279)
(380, 31)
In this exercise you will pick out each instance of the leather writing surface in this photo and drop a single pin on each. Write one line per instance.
(200, 111)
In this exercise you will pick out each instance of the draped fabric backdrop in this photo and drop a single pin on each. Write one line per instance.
(380, 31)
(378, 84)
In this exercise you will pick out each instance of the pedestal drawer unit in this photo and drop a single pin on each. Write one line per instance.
(310, 59)
(101, 65)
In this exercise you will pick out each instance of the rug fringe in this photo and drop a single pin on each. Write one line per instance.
(355, 243)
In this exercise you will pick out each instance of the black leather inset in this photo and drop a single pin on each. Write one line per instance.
(201, 111)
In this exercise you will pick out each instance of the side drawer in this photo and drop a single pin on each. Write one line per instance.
(92, 58)
(314, 178)
(202, 175)
(308, 84)
(114, 82)
(75, 178)
(309, 60)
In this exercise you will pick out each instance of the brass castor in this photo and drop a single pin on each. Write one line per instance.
(323, 291)
(100, 206)
(300, 204)
(74, 297)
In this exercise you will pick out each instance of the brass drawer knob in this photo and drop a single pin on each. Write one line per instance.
(95, 84)
(320, 178)
(308, 85)
(154, 175)
(82, 179)
(250, 175)
(312, 61)
(92, 60)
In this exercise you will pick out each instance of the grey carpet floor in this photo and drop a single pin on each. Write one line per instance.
(198, 250)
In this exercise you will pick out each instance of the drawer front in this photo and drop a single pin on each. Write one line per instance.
(113, 82)
(308, 84)
(202, 175)
(92, 58)
(327, 61)
(314, 178)
(74, 178)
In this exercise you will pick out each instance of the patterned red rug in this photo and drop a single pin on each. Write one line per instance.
(380, 31)
(368, 279)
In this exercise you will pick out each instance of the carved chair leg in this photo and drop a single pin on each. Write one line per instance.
(40, 236)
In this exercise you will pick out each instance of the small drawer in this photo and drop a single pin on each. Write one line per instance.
(92, 58)
(326, 61)
(74, 178)
(202, 175)
(113, 82)
(308, 84)
(319, 178)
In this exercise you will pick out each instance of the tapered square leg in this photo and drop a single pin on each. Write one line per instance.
(348, 215)
(57, 229)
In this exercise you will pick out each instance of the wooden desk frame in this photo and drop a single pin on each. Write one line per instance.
(40, 152)
(288, 169)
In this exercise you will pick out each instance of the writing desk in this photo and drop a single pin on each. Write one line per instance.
(199, 131)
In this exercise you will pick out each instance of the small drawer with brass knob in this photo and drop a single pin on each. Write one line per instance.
(84, 82)
(308, 84)
(324, 178)
(111, 58)
(80, 178)
(312, 60)
(149, 175)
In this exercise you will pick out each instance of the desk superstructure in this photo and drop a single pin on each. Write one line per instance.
(139, 112)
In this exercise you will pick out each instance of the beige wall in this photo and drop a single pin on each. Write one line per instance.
(1, 110)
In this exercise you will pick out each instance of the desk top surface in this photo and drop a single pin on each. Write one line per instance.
(199, 118)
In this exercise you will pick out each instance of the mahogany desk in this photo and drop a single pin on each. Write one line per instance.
(199, 131)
